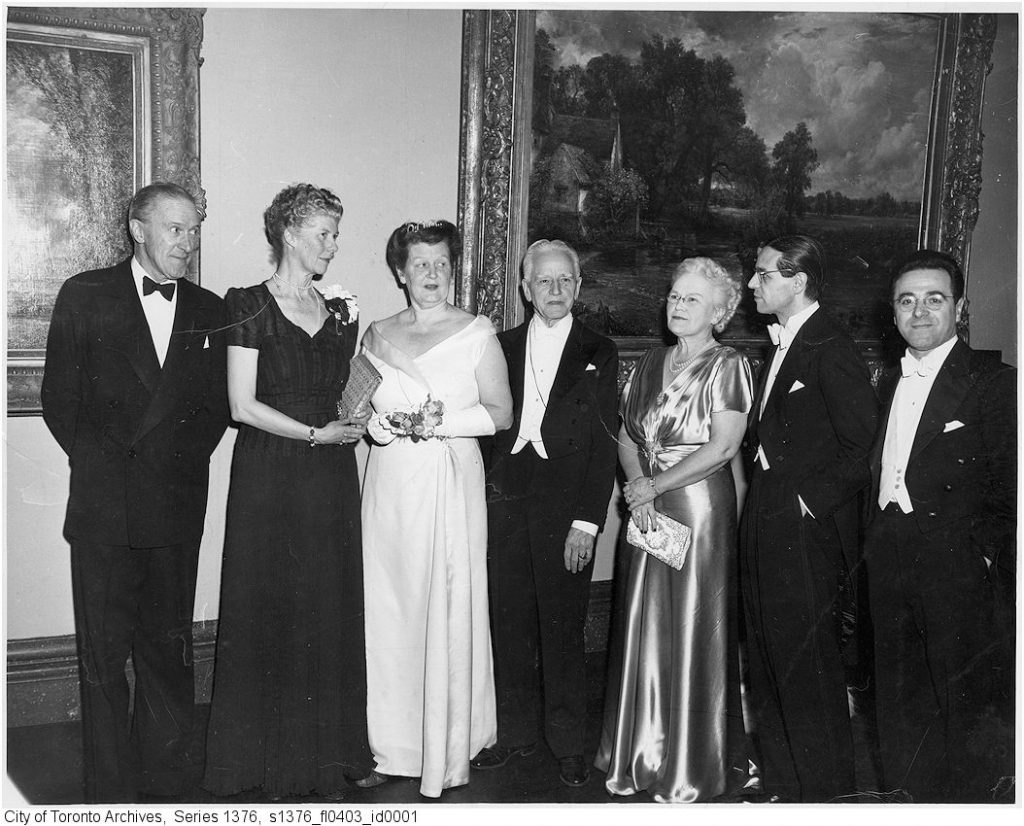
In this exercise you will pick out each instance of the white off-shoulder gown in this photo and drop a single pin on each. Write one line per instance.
(430, 685)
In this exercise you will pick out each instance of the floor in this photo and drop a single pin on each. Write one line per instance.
(44, 762)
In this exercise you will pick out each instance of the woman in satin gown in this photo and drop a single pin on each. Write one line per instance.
(289, 694)
(673, 724)
(430, 685)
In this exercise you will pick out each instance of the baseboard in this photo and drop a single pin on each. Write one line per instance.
(42, 673)
(42, 676)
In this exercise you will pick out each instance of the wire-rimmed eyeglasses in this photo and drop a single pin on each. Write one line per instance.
(933, 302)
(762, 275)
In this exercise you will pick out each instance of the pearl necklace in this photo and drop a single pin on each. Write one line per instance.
(298, 290)
(676, 367)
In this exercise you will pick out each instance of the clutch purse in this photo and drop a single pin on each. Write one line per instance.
(669, 542)
(363, 381)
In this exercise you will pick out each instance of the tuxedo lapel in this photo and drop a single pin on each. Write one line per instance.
(516, 358)
(189, 329)
(570, 365)
(762, 382)
(128, 330)
(886, 394)
(947, 394)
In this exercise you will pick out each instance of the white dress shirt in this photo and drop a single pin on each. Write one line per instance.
(544, 346)
(900, 430)
(159, 312)
(791, 328)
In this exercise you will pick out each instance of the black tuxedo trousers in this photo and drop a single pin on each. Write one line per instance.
(538, 608)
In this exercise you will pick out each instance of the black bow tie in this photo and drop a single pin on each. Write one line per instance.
(149, 286)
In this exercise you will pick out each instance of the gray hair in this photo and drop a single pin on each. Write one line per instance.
(144, 201)
(725, 284)
(543, 245)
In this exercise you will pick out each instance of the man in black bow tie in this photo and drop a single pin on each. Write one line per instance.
(135, 393)
(940, 547)
(808, 436)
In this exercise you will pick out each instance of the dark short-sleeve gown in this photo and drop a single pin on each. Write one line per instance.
(288, 713)
(673, 723)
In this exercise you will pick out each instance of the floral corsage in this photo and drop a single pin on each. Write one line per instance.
(417, 424)
(341, 304)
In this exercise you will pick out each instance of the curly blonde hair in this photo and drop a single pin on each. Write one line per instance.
(727, 287)
(293, 206)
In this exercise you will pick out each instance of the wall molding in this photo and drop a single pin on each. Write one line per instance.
(42, 672)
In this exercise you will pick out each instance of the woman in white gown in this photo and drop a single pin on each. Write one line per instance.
(430, 687)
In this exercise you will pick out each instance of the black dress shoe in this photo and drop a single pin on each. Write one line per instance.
(494, 757)
(371, 781)
(573, 770)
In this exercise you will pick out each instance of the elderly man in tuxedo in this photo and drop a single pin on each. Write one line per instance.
(135, 394)
(548, 484)
(809, 434)
(940, 547)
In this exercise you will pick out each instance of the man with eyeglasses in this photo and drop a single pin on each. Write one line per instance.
(549, 479)
(940, 549)
(809, 433)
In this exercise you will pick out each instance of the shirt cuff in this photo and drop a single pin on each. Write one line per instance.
(587, 527)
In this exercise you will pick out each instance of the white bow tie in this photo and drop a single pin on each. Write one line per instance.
(912, 366)
(781, 336)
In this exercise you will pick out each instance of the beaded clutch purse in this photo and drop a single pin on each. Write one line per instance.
(363, 381)
(669, 542)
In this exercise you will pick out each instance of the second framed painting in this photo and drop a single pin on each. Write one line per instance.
(646, 137)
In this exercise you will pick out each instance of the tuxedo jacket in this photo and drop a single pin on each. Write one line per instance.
(138, 436)
(579, 428)
(817, 428)
(962, 471)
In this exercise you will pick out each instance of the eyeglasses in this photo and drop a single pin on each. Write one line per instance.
(932, 302)
(762, 275)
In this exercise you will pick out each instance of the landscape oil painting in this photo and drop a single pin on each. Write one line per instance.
(660, 135)
(74, 144)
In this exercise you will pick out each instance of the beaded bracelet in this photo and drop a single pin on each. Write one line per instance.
(312, 443)
(654, 485)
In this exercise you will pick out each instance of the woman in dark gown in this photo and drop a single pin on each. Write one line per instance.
(673, 723)
(288, 714)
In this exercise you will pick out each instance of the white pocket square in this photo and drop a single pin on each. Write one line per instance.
(206, 343)
(797, 385)
(956, 424)
(591, 367)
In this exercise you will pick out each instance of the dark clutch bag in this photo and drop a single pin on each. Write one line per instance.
(363, 381)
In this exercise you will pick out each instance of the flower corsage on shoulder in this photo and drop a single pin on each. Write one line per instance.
(417, 424)
(341, 304)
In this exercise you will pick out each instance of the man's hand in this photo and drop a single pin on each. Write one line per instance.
(579, 550)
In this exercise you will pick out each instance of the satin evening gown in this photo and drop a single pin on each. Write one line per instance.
(673, 724)
(428, 644)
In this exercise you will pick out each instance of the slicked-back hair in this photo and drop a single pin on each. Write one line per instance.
(930, 260)
(801, 253)
(544, 245)
(294, 206)
(422, 232)
(144, 201)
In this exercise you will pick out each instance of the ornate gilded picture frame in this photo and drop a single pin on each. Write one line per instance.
(500, 147)
(99, 103)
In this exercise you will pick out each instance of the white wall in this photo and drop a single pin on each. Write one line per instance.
(365, 102)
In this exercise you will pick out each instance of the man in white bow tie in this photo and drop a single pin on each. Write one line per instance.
(549, 478)
(940, 549)
(809, 434)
